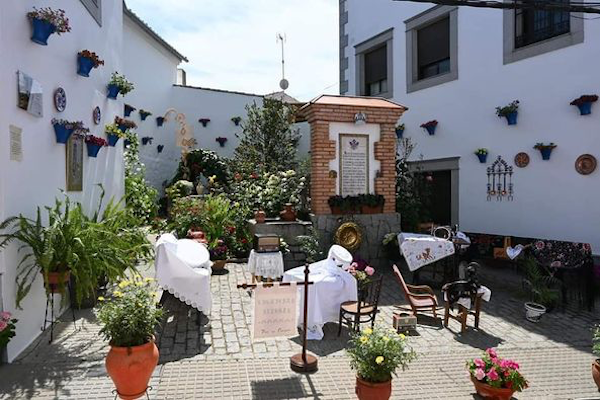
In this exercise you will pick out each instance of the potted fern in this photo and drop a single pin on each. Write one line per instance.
(543, 296)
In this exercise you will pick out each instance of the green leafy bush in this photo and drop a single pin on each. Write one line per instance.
(202, 163)
(140, 197)
(310, 245)
(596, 341)
(179, 189)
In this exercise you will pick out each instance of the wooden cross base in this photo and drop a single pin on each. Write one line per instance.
(298, 365)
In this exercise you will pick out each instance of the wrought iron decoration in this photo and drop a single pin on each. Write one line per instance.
(500, 184)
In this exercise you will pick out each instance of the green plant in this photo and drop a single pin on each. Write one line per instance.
(497, 372)
(140, 197)
(508, 109)
(310, 245)
(7, 328)
(481, 151)
(540, 284)
(375, 354)
(371, 200)
(400, 126)
(202, 163)
(131, 315)
(123, 84)
(218, 215)
(113, 129)
(57, 18)
(186, 213)
(179, 189)
(596, 341)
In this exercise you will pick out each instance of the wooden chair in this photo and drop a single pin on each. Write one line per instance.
(463, 313)
(354, 313)
(419, 297)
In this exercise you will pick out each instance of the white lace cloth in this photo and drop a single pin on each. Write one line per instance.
(484, 291)
(420, 250)
(332, 286)
(267, 265)
(183, 268)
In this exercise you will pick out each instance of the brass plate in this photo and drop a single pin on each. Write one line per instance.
(349, 236)
(585, 164)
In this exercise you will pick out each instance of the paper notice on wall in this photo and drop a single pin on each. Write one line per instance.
(16, 143)
(275, 311)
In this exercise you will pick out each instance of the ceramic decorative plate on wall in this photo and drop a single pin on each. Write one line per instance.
(60, 99)
(97, 115)
(585, 164)
(522, 160)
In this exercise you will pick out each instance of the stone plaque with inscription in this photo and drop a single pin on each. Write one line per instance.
(354, 164)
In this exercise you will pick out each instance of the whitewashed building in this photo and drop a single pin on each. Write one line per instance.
(456, 65)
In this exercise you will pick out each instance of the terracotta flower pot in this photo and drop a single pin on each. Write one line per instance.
(596, 372)
(55, 280)
(364, 209)
(218, 267)
(373, 391)
(488, 392)
(130, 368)
(260, 217)
(288, 214)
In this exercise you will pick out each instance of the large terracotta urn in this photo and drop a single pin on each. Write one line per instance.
(373, 391)
(260, 217)
(596, 372)
(130, 368)
(489, 392)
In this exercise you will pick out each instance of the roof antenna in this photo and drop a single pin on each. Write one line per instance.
(283, 83)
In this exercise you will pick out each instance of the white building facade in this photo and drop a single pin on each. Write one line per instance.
(456, 65)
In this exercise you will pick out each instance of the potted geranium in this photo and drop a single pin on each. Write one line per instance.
(204, 121)
(129, 109)
(510, 112)
(45, 22)
(236, 120)
(371, 203)
(125, 124)
(584, 103)
(118, 84)
(7, 330)
(430, 126)
(494, 377)
(94, 144)
(482, 154)
(114, 134)
(86, 60)
(545, 149)
(128, 321)
(218, 255)
(144, 114)
(399, 131)
(221, 141)
(596, 351)
(63, 129)
(376, 354)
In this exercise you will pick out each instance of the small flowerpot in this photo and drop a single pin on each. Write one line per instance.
(143, 116)
(62, 133)
(123, 128)
(204, 121)
(482, 158)
(288, 214)
(365, 209)
(431, 129)
(41, 31)
(130, 368)
(336, 210)
(84, 66)
(596, 372)
(511, 118)
(112, 91)
(112, 140)
(546, 152)
(399, 133)
(55, 282)
(373, 391)
(489, 392)
(128, 110)
(93, 149)
(221, 141)
(160, 121)
(146, 140)
(160, 148)
(260, 217)
(534, 311)
(218, 267)
(585, 108)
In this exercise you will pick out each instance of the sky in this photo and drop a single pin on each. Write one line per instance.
(231, 44)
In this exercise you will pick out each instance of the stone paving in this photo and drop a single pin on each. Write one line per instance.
(214, 358)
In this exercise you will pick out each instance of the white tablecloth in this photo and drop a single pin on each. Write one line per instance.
(267, 265)
(484, 291)
(183, 268)
(420, 250)
(332, 286)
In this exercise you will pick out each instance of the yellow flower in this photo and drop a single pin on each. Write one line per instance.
(379, 360)
(118, 293)
(385, 338)
(402, 336)
(148, 280)
(124, 284)
(364, 339)
(368, 331)
(100, 298)
(138, 284)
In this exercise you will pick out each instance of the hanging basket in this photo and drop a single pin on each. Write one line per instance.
(41, 31)
(585, 108)
(431, 129)
(160, 121)
(482, 158)
(511, 118)
(93, 149)
(128, 110)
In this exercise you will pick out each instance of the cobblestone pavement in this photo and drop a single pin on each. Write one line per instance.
(213, 358)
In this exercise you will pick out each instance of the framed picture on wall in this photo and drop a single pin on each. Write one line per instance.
(75, 164)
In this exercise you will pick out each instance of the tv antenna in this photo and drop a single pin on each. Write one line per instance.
(283, 83)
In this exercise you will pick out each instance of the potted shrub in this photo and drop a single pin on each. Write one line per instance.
(221, 141)
(236, 120)
(118, 84)
(128, 321)
(482, 154)
(160, 121)
(125, 124)
(584, 103)
(218, 255)
(63, 129)
(113, 134)
(371, 203)
(45, 22)
(86, 61)
(7, 331)
(430, 126)
(495, 377)
(376, 354)
(399, 131)
(144, 114)
(545, 149)
(510, 112)
(204, 121)
(128, 110)
(596, 351)
(94, 144)
(543, 296)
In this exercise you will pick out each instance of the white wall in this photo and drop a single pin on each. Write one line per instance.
(35, 180)
(551, 200)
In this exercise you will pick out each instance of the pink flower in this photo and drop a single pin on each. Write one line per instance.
(5, 315)
(479, 363)
(3, 325)
(479, 374)
(370, 271)
(493, 375)
(492, 352)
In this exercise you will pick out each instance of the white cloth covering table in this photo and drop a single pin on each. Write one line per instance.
(332, 286)
(420, 250)
(267, 265)
(183, 268)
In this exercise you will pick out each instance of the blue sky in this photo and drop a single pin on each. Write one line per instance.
(231, 44)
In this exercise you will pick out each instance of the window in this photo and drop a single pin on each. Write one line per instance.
(374, 66)
(431, 48)
(95, 9)
(533, 26)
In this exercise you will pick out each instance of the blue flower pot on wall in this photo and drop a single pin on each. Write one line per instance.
(160, 148)
(62, 133)
(546, 153)
(143, 116)
(93, 149)
(123, 128)
(41, 31)
(128, 110)
(84, 66)
(112, 91)
(399, 133)
(511, 118)
(585, 108)
(112, 140)
(482, 158)
(160, 121)
(431, 129)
